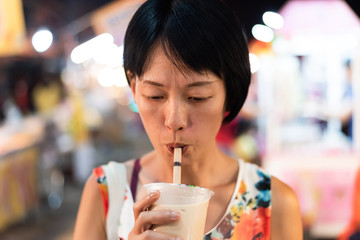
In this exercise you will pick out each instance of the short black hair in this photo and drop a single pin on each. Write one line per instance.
(201, 35)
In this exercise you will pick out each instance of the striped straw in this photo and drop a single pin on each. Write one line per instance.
(177, 166)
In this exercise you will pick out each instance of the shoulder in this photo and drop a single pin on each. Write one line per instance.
(285, 217)
(91, 188)
(282, 193)
(100, 172)
(90, 221)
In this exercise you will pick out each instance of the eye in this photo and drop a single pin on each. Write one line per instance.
(197, 99)
(154, 98)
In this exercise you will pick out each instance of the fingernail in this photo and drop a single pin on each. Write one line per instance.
(174, 214)
(151, 195)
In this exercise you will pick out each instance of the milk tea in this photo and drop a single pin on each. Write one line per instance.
(192, 223)
(191, 202)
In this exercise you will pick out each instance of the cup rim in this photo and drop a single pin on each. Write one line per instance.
(185, 186)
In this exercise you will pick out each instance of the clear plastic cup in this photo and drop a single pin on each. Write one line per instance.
(191, 202)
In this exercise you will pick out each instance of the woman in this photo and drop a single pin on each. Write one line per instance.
(187, 65)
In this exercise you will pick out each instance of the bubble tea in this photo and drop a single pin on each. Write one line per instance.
(190, 202)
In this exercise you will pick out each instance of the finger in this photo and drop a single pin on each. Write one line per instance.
(145, 203)
(158, 235)
(148, 218)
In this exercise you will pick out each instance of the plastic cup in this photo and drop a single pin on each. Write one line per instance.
(191, 202)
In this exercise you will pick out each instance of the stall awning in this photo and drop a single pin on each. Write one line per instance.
(12, 28)
(304, 17)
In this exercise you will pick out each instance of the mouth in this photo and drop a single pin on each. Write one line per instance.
(171, 147)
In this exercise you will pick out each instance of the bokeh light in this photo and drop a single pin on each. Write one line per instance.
(42, 40)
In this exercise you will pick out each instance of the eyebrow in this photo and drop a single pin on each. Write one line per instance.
(190, 85)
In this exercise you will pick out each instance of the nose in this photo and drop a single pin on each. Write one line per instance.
(176, 116)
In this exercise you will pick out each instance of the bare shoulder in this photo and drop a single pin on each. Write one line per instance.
(92, 187)
(285, 217)
(283, 194)
(90, 221)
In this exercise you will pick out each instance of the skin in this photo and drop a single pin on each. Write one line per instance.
(183, 108)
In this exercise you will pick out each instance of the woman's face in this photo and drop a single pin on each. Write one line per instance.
(179, 108)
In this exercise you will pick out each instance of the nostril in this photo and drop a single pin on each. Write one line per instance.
(175, 122)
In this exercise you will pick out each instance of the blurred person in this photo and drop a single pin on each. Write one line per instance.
(47, 95)
(84, 153)
(21, 95)
(346, 115)
(187, 63)
(20, 76)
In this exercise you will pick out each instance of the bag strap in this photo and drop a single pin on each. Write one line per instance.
(135, 178)
(116, 179)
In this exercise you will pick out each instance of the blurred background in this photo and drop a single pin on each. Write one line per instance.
(65, 107)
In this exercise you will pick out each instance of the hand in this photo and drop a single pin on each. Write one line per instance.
(145, 219)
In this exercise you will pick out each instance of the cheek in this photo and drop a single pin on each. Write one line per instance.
(151, 116)
(209, 119)
(209, 114)
(215, 109)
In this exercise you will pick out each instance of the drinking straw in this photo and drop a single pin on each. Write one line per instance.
(177, 166)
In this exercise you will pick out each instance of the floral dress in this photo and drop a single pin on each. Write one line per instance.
(247, 216)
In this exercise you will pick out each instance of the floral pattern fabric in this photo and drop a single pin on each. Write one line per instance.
(103, 187)
(248, 214)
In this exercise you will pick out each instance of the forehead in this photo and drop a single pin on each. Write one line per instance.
(157, 58)
(159, 66)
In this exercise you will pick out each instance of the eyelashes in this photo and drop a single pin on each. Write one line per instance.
(154, 98)
(197, 99)
(191, 99)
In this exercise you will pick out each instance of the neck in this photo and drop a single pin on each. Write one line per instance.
(215, 171)
(208, 170)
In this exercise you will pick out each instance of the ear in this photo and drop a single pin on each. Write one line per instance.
(132, 80)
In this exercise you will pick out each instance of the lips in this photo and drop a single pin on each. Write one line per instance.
(171, 147)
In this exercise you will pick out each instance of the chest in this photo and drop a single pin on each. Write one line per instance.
(247, 215)
(218, 205)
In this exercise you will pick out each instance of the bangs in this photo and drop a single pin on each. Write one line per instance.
(191, 44)
(197, 35)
